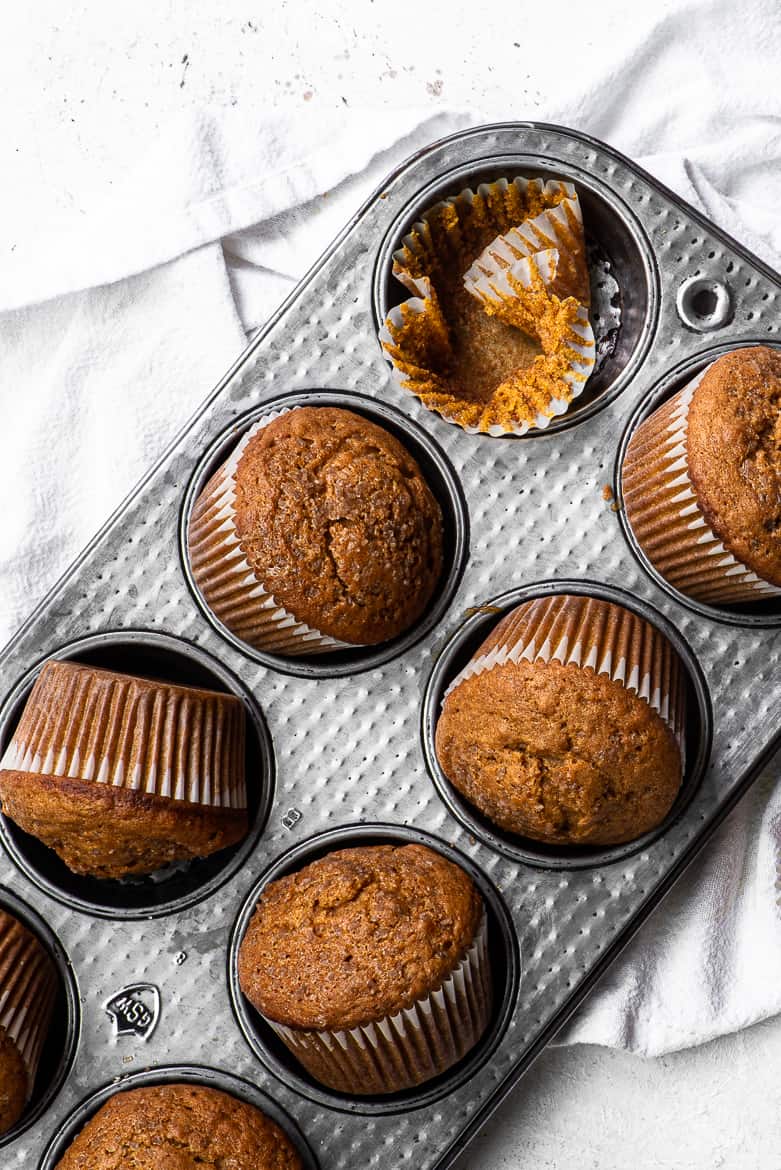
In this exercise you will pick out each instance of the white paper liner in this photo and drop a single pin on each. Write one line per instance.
(175, 742)
(414, 1045)
(520, 254)
(587, 632)
(558, 229)
(712, 571)
(28, 984)
(235, 595)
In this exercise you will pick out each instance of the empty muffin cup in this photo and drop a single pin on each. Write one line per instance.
(28, 988)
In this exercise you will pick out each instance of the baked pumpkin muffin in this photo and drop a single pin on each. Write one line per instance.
(179, 1127)
(567, 725)
(702, 481)
(319, 532)
(122, 775)
(28, 986)
(371, 965)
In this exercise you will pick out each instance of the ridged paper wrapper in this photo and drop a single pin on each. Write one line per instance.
(28, 987)
(592, 634)
(176, 742)
(668, 523)
(406, 1049)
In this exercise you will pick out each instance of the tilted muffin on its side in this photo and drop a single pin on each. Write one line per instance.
(122, 775)
(702, 481)
(371, 965)
(179, 1127)
(319, 532)
(567, 725)
(28, 986)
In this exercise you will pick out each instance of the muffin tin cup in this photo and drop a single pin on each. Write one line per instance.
(622, 651)
(47, 1038)
(447, 1035)
(189, 1074)
(182, 884)
(190, 748)
(622, 268)
(339, 659)
(660, 515)
(516, 263)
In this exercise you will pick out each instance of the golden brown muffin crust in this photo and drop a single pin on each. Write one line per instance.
(357, 936)
(179, 1127)
(558, 753)
(13, 1083)
(734, 455)
(109, 832)
(337, 521)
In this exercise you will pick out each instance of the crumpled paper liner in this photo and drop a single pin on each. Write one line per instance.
(225, 578)
(417, 1044)
(592, 634)
(176, 742)
(28, 986)
(666, 519)
(531, 275)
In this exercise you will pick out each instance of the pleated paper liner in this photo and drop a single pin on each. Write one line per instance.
(413, 1046)
(225, 578)
(504, 263)
(596, 635)
(28, 986)
(666, 519)
(131, 733)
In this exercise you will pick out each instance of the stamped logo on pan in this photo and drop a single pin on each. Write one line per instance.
(135, 1010)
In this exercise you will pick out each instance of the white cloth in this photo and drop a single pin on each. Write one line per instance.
(116, 320)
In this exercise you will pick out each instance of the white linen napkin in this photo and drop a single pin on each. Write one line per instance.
(115, 327)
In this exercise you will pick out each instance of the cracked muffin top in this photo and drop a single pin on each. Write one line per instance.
(337, 522)
(357, 935)
(734, 455)
(179, 1127)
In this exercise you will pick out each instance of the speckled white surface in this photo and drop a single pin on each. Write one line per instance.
(87, 84)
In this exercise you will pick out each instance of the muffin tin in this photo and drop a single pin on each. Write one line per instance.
(342, 745)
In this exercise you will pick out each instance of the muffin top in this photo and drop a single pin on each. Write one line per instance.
(558, 753)
(338, 523)
(734, 455)
(179, 1127)
(357, 936)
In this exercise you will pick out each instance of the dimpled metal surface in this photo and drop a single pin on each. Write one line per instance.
(349, 749)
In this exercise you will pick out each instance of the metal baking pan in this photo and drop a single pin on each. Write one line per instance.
(340, 748)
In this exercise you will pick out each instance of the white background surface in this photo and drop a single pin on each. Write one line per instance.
(88, 85)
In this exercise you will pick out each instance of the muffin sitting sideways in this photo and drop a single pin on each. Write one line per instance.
(122, 775)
